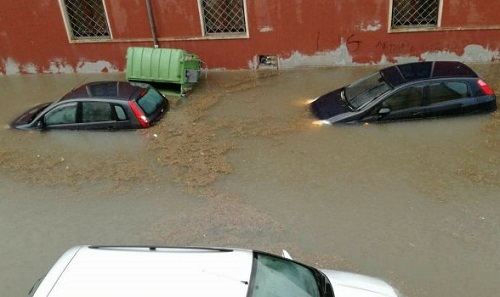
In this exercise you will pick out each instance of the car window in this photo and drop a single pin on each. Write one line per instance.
(446, 91)
(96, 112)
(65, 114)
(280, 277)
(120, 113)
(150, 101)
(404, 99)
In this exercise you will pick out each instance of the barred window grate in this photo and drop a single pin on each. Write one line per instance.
(87, 19)
(223, 16)
(415, 13)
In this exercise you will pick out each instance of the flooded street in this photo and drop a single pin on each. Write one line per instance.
(240, 163)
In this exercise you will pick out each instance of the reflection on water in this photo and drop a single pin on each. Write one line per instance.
(240, 163)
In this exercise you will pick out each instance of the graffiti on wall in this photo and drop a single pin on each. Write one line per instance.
(353, 44)
(391, 47)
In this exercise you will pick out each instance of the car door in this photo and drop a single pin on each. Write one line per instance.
(101, 115)
(402, 104)
(97, 115)
(62, 116)
(445, 98)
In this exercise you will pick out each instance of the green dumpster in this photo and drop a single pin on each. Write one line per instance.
(172, 71)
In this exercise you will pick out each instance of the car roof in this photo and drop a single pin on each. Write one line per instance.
(418, 71)
(120, 90)
(149, 271)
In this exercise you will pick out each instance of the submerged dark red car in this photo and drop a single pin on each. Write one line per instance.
(102, 105)
(408, 91)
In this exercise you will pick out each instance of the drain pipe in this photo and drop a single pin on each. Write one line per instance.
(152, 23)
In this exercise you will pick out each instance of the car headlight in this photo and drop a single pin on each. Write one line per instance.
(309, 101)
(321, 122)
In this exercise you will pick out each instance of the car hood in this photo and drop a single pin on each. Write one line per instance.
(346, 284)
(329, 105)
(29, 115)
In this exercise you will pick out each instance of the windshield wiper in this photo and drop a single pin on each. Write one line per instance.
(342, 96)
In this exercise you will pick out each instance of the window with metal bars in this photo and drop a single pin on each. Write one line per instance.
(415, 13)
(223, 16)
(86, 19)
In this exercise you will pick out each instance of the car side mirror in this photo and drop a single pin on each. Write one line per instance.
(384, 111)
(40, 124)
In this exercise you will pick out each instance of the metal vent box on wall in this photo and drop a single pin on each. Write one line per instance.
(172, 71)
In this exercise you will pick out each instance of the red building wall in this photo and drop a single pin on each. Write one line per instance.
(33, 37)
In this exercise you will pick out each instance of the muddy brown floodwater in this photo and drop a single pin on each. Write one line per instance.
(239, 163)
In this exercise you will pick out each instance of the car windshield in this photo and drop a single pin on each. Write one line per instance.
(365, 90)
(150, 101)
(32, 113)
(274, 276)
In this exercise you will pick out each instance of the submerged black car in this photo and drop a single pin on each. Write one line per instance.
(102, 105)
(407, 91)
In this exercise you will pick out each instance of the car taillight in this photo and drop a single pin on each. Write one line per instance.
(484, 87)
(143, 120)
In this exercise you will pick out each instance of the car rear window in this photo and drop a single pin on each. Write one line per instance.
(150, 102)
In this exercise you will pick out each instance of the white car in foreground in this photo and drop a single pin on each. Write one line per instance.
(105, 271)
